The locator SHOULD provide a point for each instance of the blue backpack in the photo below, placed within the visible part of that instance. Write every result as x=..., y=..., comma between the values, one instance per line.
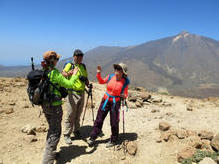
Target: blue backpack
x=72, y=64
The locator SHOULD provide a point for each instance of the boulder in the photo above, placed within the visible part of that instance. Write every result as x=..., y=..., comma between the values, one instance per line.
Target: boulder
x=206, y=145
x=215, y=142
x=203, y=134
x=138, y=104
x=145, y=96
x=132, y=105
x=191, y=133
x=207, y=160
x=181, y=133
x=194, y=141
x=185, y=153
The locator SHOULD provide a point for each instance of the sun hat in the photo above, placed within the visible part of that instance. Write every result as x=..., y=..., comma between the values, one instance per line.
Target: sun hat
x=122, y=66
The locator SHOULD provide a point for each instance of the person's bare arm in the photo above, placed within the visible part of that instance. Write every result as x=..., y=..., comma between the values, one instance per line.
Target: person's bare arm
x=65, y=74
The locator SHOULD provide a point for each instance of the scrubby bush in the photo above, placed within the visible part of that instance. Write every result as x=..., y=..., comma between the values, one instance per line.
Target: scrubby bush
x=200, y=155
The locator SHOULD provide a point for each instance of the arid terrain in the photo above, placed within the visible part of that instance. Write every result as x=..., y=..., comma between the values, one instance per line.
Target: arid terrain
x=157, y=128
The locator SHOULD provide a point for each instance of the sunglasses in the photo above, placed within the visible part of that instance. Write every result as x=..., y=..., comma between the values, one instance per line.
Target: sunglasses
x=79, y=55
x=118, y=68
x=55, y=58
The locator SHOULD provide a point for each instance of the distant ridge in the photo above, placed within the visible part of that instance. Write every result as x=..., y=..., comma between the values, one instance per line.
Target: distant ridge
x=184, y=64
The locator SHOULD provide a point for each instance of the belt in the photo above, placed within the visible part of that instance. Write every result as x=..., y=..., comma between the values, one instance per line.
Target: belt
x=105, y=102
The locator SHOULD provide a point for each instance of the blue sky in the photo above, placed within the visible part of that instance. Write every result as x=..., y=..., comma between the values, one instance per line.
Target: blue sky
x=29, y=28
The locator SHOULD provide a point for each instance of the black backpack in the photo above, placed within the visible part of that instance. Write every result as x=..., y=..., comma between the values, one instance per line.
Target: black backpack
x=38, y=89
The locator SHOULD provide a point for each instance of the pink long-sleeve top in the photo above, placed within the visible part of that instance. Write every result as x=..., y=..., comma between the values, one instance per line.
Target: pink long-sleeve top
x=114, y=87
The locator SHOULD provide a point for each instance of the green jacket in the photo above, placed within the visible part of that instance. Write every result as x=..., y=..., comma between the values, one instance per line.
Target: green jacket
x=78, y=85
x=60, y=81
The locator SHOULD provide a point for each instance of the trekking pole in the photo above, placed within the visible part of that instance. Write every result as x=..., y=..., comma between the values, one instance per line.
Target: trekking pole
x=123, y=117
x=89, y=92
x=85, y=109
x=91, y=96
x=123, y=121
x=32, y=64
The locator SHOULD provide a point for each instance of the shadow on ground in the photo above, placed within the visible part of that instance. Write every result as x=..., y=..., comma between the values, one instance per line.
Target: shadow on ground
x=85, y=132
x=67, y=153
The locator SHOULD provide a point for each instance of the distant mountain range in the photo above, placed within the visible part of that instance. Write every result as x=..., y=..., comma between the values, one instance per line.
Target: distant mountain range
x=185, y=64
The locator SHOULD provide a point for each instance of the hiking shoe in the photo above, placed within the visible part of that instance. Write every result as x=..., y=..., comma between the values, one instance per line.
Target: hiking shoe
x=77, y=134
x=110, y=144
x=57, y=155
x=91, y=142
x=101, y=134
x=67, y=140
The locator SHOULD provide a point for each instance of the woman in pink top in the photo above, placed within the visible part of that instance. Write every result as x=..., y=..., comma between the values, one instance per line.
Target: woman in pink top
x=117, y=89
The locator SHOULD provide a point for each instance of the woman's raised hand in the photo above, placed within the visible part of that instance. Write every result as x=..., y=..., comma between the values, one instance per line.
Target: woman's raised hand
x=99, y=68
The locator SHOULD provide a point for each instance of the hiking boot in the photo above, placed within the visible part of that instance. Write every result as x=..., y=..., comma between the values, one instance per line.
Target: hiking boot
x=77, y=134
x=67, y=140
x=101, y=134
x=91, y=142
x=57, y=155
x=110, y=144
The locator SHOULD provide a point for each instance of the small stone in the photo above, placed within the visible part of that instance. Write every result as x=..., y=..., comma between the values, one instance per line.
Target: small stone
x=2, y=111
x=189, y=108
x=155, y=110
x=123, y=157
x=30, y=138
x=26, y=106
x=132, y=147
x=157, y=101
x=29, y=130
x=164, y=126
x=138, y=104
x=215, y=142
x=9, y=111
x=181, y=134
x=41, y=129
x=12, y=103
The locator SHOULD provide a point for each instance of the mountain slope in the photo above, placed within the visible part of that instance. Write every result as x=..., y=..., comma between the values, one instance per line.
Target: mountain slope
x=185, y=64
x=184, y=61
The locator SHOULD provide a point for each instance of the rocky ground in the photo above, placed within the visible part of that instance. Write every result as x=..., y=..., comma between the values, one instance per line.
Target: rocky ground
x=159, y=129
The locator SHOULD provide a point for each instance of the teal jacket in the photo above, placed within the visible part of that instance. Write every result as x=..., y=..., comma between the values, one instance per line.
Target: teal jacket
x=60, y=81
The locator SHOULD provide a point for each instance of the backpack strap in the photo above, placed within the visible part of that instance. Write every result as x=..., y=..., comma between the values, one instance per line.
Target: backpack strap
x=110, y=77
x=84, y=66
x=127, y=81
x=72, y=64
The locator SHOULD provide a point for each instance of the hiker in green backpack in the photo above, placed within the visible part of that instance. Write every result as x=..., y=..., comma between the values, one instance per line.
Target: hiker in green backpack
x=75, y=97
x=53, y=109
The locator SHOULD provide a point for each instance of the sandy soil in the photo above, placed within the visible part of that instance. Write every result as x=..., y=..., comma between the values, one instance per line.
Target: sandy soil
x=141, y=126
